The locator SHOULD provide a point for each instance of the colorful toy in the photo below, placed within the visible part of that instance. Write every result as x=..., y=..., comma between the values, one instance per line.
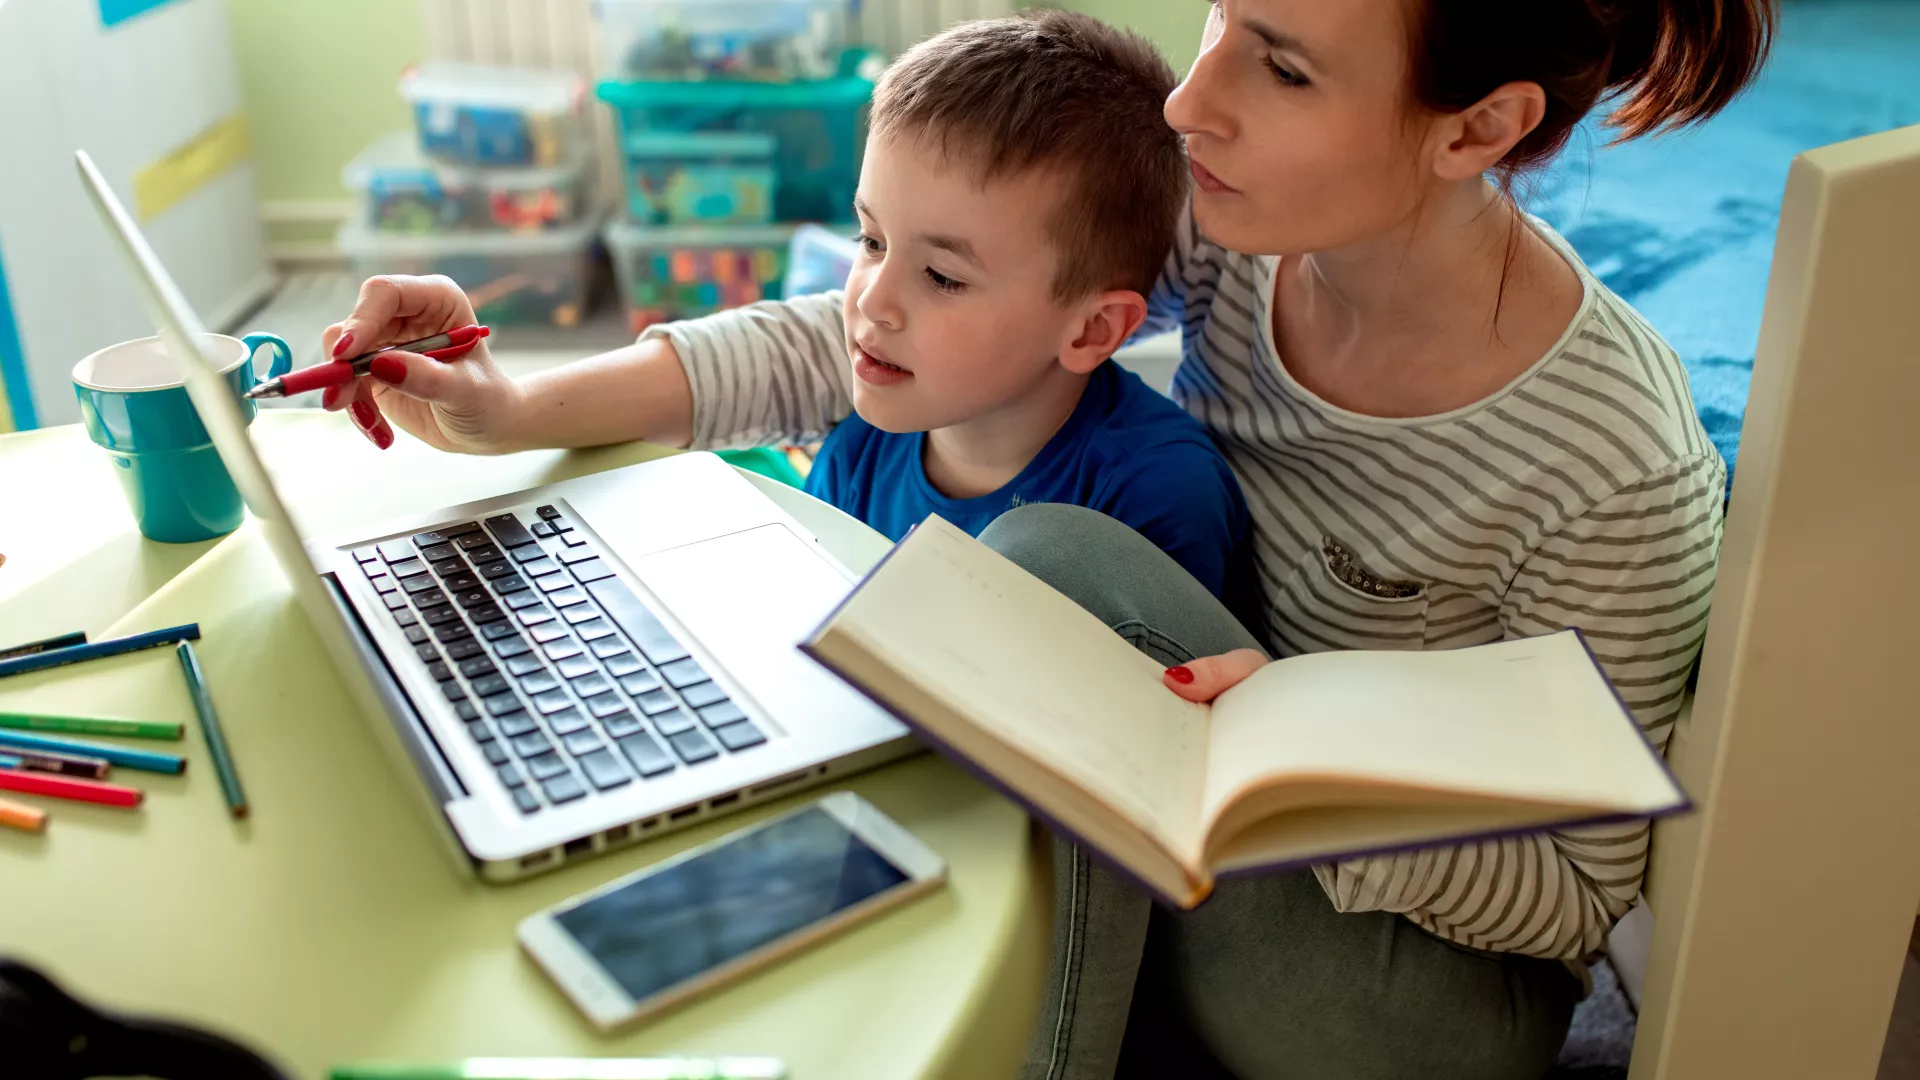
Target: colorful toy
x=683, y=273
x=405, y=193
x=697, y=40
x=495, y=117
x=721, y=177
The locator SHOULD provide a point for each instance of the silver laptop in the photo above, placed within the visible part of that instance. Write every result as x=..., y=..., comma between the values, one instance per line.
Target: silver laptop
x=569, y=668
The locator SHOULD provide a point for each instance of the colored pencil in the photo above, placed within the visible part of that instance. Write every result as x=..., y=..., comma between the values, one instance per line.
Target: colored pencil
x=143, y=760
x=98, y=650
x=87, y=768
x=743, y=1068
x=210, y=729
x=62, y=787
x=93, y=725
x=78, y=637
x=20, y=816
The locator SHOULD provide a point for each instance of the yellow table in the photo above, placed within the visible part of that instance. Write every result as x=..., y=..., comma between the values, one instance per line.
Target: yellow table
x=328, y=927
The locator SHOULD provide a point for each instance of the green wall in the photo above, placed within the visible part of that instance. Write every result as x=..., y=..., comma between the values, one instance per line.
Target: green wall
x=319, y=76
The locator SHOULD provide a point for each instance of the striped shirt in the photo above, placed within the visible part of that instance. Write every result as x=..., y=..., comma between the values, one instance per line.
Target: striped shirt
x=1584, y=494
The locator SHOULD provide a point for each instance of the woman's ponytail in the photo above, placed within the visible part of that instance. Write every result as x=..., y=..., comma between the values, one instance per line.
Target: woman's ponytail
x=1677, y=62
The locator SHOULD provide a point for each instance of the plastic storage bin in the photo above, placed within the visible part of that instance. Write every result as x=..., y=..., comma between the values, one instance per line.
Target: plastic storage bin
x=819, y=130
x=683, y=273
x=495, y=117
x=512, y=279
x=699, y=177
x=818, y=260
x=762, y=40
x=401, y=191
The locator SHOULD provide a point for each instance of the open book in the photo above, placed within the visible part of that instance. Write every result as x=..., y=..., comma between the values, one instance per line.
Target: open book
x=1312, y=759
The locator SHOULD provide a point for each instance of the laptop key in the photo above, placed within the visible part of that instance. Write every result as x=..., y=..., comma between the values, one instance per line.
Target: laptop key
x=693, y=746
x=419, y=584
x=549, y=631
x=395, y=550
x=439, y=616
x=453, y=691
x=567, y=721
x=427, y=653
x=512, y=583
x=532, y=744
x=515, y=724
x=565, y=788
x=486, y=613
x=579, y=613
x=496, y=631
x=683, y=673
x=656, y=701
x=440, y=671
x=451, y=631
x=673, y=723
x=561, y=649
x=561, y=525
x=445, y=533
x=644, y=752
x=534, y=615
x=403, y=617
x=464, y=581
x=700, y=695
x=394, y=600
x=575, y=541
x=473, y=540
x=480, y=731
x=511, y=648
x=520, y=600
x=526, y=800
x=584, y=741
x=523, y=664
x=542, y=529
x=567, y=597
x=740, y=736
x=415, y=633
x=576, y=554
x=642, y=627
x=491, y=683
x=591, y=570
x=621, y=724
x=473, y=598
x=547, y=765
x=552, y=701
x=507, y=529
x=464, y=650
x=431, y=598
x=501, y=704
x=575, y=666
x=590, y=684
x=547, y=512
x=385, y=584
x=594, y=629
x=510, y=776
x=476, y=667
x=495, y=753
x=610, y=648
x=640, y=682
x=446, y=568
x=367, y=554
x=539, y=682
x=407, y=568
x=498, y=568
x=721, y=715
x=553, y=583
x=465, y=710
x=485, y=553
x=540, y=567
x=434, y=553
x=604, y=770
x=527, y=552
x=605, y=704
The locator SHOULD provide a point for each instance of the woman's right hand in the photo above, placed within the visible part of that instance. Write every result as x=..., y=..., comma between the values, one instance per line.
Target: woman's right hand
x=464, y=404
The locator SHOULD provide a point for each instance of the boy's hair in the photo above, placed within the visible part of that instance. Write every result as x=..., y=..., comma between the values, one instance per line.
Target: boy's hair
x=1055, y=89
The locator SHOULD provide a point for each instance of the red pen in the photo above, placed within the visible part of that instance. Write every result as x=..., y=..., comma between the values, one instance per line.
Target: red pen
x=447, y=346
x=62, y=787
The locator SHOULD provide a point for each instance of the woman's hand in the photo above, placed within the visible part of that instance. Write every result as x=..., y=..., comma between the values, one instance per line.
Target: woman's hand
x=1207, y=678
x=463, y=404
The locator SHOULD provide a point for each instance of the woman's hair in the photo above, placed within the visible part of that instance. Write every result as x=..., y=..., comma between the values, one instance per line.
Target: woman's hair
x=1664, y=63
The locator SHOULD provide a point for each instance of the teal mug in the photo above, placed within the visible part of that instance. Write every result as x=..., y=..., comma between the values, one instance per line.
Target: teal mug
x=135, y=406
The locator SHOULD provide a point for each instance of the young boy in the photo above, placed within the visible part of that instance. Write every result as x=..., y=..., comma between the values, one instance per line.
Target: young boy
x=1016, y=203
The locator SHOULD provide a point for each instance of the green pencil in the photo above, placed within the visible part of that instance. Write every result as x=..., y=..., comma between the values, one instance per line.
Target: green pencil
x=92, y=725
x=210, y=729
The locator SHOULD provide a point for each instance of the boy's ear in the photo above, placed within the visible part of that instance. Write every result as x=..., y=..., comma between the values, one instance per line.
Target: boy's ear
x=1107, y=321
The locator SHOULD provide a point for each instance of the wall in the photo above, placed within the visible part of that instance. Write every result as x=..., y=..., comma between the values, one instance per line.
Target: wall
x=1174, y=25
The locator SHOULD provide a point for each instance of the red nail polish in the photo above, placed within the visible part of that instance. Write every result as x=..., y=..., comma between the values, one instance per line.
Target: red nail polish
x=383, y=436
x=340, y=347
x=365, y=415
x=1181, y=675
x=388, y=369
x=330, y=397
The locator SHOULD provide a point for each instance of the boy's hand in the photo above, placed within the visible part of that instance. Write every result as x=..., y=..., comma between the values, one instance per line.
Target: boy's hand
x=464, y=404
x=1207, y=678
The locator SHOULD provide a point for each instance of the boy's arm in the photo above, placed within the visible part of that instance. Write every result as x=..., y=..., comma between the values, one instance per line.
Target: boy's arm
x=768, y=373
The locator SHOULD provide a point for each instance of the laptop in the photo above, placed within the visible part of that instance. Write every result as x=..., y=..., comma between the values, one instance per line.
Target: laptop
x=571, y=668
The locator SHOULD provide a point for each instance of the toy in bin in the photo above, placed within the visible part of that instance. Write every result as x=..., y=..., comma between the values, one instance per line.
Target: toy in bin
x=402, y=191
x=684, y=273
x=700, y=177
x=495, y=117
x=755, y=40
x=512, y=279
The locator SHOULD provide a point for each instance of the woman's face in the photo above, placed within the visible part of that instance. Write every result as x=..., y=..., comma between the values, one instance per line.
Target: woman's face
x=1298, y=124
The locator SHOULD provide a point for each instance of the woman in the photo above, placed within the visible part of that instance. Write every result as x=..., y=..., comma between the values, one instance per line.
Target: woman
x=1449, y=433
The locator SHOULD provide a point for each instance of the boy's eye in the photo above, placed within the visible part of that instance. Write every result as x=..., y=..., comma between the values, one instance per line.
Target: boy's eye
x=943, y=282
x=1287, y=76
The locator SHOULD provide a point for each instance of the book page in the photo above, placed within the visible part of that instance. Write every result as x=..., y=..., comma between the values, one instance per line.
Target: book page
x=1035, y=670
x=1531, y=720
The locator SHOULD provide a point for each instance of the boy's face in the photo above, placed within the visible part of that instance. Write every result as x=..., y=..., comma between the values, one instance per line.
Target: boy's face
x=950, y=310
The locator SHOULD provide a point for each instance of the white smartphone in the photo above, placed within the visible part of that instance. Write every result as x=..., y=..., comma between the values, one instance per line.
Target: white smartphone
x=654, y=938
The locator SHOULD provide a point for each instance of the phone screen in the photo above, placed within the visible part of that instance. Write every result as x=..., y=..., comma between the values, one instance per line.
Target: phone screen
x=667, y=927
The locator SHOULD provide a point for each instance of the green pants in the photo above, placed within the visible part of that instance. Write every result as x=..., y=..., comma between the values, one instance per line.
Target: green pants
x=1265, y=981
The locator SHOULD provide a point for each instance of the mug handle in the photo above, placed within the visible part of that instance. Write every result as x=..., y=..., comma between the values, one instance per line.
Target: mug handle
x=282, y=355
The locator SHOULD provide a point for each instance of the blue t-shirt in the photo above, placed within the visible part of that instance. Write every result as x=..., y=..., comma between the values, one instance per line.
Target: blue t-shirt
x=1127, y=451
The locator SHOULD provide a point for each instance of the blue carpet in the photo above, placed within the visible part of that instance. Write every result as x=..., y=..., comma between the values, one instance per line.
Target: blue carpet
x=1682, y=226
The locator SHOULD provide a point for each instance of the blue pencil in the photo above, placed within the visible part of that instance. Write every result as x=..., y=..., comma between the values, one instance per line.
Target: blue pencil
x=73, y=654
x=143, y=760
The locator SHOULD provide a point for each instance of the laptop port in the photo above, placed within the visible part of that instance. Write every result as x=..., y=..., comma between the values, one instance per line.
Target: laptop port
x=724, y=800
x=683, y=812
x=779, y=782
x=579, y=847
x=648, y=824
x=538, y=858
x=618, y=833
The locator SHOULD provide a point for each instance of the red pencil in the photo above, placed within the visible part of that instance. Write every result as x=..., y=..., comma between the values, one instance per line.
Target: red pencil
x=65, y=787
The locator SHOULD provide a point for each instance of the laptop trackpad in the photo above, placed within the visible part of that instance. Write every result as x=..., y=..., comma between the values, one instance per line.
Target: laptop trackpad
x=749, y=598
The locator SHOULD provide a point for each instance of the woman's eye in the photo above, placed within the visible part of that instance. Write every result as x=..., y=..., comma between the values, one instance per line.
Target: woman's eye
x=943, y=282
x=1287, y=76
x=869, y=245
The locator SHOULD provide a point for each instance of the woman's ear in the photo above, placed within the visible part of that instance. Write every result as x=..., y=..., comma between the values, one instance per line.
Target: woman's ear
x=1479, y=136
x=1106, y=322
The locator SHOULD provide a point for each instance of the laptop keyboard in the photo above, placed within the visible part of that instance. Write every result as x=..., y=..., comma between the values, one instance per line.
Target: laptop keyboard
x=565, y=680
